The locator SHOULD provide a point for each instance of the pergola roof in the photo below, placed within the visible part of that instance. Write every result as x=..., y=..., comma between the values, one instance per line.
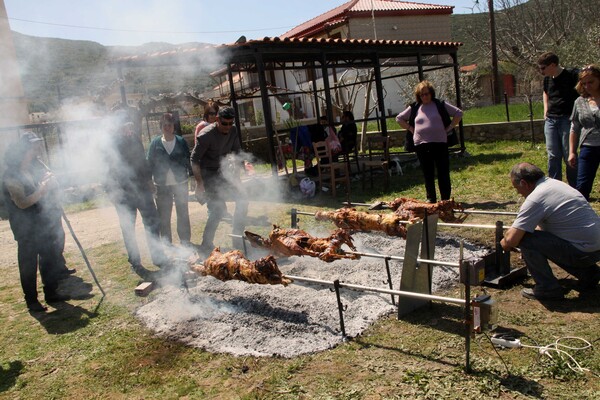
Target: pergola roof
x=292, y=50
x=309, y=53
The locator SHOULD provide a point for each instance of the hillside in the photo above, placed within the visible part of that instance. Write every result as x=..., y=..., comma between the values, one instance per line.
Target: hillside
x=53, y=69
x=463, y=26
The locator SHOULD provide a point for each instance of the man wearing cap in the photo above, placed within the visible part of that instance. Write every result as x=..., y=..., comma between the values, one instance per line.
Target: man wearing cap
x=27, y=189
x=214, y=182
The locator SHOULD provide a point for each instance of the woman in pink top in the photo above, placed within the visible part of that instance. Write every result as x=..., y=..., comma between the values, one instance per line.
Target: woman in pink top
x=210, y=117
x=428, y=119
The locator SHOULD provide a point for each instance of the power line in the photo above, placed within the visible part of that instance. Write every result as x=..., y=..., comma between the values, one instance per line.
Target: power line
x=142, y=31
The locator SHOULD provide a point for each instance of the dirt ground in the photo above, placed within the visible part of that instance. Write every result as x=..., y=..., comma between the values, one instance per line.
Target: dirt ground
x=93, y=228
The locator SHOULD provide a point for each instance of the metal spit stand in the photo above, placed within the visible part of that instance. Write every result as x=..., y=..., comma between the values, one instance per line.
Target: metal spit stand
x=498, y=271
x=416, y=279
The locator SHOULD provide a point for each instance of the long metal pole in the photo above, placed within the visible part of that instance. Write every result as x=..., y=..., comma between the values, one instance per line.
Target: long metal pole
x=439, y=223
x=379, y=290
x=64, y=217
x=87, y=262
x=456, y=211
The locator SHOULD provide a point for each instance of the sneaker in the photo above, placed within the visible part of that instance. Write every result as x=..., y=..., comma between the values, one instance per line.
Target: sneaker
x=533, y=294
x=36, y=306
x=56, y=298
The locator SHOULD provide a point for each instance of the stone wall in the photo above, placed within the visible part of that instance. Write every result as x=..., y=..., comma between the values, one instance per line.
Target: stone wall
x=481, y=133
x=478, y=133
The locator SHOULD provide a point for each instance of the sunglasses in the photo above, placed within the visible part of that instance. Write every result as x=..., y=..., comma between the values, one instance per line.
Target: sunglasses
x=212, y=113
x=542, y=67
x=226, y=123
x=591, y=68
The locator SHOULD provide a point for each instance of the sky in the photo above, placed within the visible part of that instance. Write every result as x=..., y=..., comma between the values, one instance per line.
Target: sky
x=134, y=22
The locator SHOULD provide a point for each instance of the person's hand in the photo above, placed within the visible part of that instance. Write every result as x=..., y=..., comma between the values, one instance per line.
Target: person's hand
x=200, y=193
x=49, y=182
x=572, y=161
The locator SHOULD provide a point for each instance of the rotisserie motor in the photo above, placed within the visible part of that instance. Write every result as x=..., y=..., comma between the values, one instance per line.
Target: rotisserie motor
x=233, y=265
x=349, y=218
x=410, y=209
x=296, y=242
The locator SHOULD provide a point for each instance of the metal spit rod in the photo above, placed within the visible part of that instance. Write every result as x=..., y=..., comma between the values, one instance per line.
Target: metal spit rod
x=456, y=211
x=399, y=258
x=439, y=223
x=384, y=256
x=378, y=290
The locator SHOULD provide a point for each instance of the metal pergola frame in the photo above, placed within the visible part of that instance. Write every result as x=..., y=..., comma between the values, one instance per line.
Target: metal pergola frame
x=272, y=54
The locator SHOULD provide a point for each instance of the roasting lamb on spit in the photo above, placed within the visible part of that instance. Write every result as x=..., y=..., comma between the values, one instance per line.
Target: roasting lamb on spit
x=232, y=265
x=411, y=209
x=296, y=242
x=349, y=218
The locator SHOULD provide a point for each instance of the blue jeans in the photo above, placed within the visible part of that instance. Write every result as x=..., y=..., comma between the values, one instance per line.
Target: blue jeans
x=165, y=196
x=587, y=165
x=218, y=190
x=127, y=208
x=556, y=131
x=539, y=247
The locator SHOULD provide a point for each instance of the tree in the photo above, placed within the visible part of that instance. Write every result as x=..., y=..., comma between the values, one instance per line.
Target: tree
x=525, y=29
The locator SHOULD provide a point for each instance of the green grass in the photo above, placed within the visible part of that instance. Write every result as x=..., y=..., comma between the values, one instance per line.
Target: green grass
x=96, y=349
x=497, y=113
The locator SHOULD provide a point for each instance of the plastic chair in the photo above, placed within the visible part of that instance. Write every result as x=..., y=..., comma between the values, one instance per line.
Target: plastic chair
x=330, y=172
x=378, y=157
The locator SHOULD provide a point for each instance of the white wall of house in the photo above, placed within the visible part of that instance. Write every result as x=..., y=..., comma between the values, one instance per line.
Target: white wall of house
x=417, y=27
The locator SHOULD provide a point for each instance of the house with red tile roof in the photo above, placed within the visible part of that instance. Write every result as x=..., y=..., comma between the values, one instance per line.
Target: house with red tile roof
x=379, y=19
x=353, y=20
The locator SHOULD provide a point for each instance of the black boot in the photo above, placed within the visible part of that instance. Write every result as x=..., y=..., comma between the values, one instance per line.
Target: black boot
x=52, y=296
x=36, y=306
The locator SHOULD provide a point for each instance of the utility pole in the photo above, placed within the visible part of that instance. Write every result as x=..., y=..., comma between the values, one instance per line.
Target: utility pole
x=496, y=84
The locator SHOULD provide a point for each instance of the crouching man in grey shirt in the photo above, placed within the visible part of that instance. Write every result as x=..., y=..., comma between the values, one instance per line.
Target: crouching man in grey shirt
x=556, y=223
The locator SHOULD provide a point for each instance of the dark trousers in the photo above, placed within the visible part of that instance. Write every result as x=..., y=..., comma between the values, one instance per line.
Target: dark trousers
x=165, y=196
x=55, y=227
x=30, y=250
x=127, y=211
x=218, y=190
x=434, y=156
x=538, y=247
x=587, y=166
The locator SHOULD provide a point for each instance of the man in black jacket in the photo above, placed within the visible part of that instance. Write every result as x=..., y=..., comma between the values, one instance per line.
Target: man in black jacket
x=130, y=188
